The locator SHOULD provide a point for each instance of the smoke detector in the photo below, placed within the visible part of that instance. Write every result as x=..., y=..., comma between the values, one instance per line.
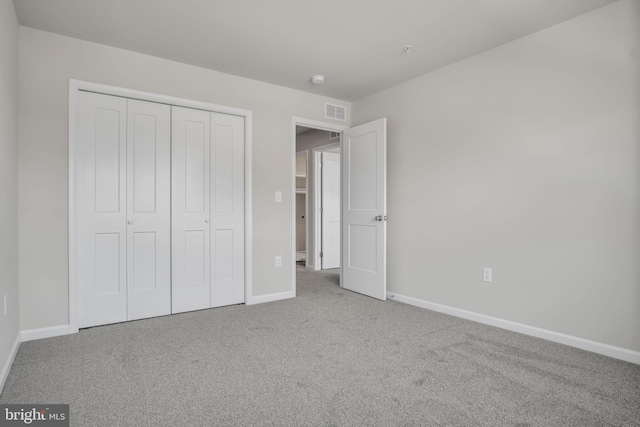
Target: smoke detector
x=317, y=79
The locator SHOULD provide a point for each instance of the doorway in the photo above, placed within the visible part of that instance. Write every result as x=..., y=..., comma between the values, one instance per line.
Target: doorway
x=363, y=212
x=317, y=195
x=311, y=140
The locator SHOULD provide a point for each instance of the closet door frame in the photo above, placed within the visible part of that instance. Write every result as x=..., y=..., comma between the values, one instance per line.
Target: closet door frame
x=77, y=86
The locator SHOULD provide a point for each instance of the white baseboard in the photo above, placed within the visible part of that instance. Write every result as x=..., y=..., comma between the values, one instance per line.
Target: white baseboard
x=9, y=362
x=53, y=331
x=270, y=298
x=581, y=343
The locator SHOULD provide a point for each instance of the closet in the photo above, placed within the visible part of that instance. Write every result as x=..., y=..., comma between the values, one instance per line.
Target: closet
x=159, y=210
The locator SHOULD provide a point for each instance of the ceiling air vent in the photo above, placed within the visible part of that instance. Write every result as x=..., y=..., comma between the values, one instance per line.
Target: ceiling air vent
x=335, y=112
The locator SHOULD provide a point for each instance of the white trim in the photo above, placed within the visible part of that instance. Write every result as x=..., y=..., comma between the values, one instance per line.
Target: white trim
x=75, y=86
x=313, y=124
x=154, y=97
x=4, y=374
x=317, y=199
x=316, y=124
x=40, y=333
x=260, y=299
x=248, y=206
x=581, y=343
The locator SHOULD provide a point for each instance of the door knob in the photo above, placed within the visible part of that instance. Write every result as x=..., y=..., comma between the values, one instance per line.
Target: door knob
x=378, y=218
x=130, y=222
x=207, y=220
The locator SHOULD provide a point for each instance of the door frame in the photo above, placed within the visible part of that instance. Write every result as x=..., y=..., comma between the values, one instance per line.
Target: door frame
x=75, y=87
x=313, y=124
x=317, y=199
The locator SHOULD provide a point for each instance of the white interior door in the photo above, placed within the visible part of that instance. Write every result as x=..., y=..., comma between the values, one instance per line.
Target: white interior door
x=148, y=209
x=364, y=209
x=101, y=209
x=330, y=210
x=227, y=209
x=190, y=204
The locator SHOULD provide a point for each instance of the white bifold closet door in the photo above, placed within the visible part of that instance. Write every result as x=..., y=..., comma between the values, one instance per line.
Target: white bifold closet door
x=207, y=209
x=123, y=209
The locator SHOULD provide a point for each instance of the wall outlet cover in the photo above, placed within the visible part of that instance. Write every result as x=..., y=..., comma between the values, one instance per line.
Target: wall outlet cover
x=487, y=274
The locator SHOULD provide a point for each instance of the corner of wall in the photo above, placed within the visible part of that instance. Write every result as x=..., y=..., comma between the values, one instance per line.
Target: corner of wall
x=9, y=281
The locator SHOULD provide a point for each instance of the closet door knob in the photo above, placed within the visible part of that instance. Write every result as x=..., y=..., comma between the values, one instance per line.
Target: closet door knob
x=207, y=220
x=130, y=222
x=378, y=218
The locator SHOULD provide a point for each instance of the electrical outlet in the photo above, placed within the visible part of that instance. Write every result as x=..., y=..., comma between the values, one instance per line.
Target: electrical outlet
x=486, y=274
x=278, y=261
x=5, y=304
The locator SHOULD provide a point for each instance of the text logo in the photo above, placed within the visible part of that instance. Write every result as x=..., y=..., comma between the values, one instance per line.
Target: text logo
x=34, y=415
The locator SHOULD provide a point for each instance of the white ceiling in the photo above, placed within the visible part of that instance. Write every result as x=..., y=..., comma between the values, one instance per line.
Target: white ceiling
x=356, y=44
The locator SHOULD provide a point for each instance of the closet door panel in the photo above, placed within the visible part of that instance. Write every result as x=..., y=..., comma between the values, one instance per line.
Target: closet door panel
x=101, y=213
x=195, y=255
x=144, y=265
x=227, y=209
x=148, y=209
x=190, y=195
x=196, y=146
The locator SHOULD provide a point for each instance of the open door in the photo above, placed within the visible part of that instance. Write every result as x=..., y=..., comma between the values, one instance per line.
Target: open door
x=364, y=207
x=330, y=255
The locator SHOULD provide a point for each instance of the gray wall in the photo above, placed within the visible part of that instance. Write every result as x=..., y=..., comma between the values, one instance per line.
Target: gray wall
x=525, y=159
x=47, y=62
x=9, y=324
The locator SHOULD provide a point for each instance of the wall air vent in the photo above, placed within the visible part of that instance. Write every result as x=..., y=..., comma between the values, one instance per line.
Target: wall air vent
x=335, y=112
x=334, y=135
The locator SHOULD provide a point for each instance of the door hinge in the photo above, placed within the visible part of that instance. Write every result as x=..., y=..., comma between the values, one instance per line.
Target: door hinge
x=321, y=254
